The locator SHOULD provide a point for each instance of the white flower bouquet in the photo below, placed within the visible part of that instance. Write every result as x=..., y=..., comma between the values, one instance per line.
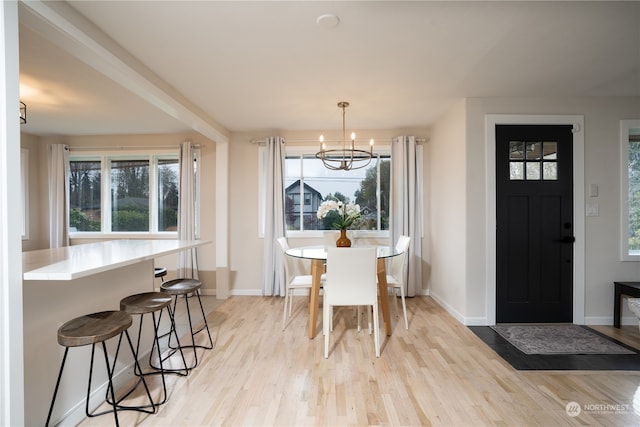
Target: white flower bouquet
x=341, y=216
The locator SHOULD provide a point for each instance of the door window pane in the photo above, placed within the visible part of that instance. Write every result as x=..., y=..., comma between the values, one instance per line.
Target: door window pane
x=550, y=171
x=533, y=171
x=516, y=150
x=540, y=160
x=533, y=150
x=516, y=170
x=550, y=150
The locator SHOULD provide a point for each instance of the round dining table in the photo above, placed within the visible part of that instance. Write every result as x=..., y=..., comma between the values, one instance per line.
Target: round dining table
x=318, y=257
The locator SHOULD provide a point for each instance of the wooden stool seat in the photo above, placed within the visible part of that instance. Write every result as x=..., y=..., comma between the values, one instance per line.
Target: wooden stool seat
x=93, y=328
x=181, y=286
x=159, y=272
x=146, y=302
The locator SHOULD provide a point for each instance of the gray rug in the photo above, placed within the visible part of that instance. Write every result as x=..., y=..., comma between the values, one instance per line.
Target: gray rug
x=558, y=339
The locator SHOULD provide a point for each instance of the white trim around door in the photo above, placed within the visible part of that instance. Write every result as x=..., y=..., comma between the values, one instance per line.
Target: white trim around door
x=491, y=120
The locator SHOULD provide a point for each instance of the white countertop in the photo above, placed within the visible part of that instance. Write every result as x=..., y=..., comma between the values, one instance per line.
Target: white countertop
x=72, y=262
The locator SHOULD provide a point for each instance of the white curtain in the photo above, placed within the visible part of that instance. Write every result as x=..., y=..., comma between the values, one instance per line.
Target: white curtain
x=58, y=156
x=187, y=265
x=406, y=205
x=273, y=267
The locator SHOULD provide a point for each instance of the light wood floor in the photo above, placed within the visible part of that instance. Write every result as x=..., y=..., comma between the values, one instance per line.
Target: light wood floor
x=437, y=373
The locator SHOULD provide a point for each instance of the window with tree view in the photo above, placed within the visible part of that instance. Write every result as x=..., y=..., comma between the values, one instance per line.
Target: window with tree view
x=308, y=183
x=124, y=194
x=630, y=137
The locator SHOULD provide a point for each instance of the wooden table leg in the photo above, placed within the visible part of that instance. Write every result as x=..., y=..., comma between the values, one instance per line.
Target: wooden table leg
x=317, y=268
x=384, y=295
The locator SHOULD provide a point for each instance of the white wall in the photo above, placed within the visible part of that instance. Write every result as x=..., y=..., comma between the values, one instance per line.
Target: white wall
x=37, y=238
x=603, y=265
x=246, y=247
x=448, y=207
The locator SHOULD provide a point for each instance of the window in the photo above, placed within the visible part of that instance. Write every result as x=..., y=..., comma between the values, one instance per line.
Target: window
x=533, y=161
x=307, y=179
x=630, y=189
x=136, y=193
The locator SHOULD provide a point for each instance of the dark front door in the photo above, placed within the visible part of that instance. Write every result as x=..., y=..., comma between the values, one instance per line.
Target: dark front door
x=534, y=219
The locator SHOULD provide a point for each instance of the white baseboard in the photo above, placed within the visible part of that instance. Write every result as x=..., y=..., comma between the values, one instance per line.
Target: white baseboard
x=449, y=309
x=247, y=292
x=608, y=320
x=258, y=292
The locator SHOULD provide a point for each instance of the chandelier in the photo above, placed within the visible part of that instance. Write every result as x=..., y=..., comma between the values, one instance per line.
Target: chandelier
x=347, y=157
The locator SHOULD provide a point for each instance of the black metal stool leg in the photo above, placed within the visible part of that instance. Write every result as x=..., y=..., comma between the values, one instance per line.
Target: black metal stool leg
x=109, y=387
x=55, y=391
x=206, y=324
x=137, y=369
x=186, y=287
x=146, y=387
x=110, y=373
x=172, y=329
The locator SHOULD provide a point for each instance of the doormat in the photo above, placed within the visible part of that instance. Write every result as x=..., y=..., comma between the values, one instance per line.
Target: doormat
x=630, y=361
x=558, y=339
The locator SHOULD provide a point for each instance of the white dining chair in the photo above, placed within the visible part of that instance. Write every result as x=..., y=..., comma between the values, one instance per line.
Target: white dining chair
x=329, y=238
x=350, y=281
x=396, y=275
x=292, y=281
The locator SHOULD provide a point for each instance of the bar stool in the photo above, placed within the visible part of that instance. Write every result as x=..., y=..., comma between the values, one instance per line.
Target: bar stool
x=92, y=329
x=184, y=287
x=150, y=303
x=159, y=273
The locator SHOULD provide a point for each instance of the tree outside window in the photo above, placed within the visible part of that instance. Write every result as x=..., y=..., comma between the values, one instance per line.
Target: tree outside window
x=307, y=179
x=85, y=183
x=142, y=193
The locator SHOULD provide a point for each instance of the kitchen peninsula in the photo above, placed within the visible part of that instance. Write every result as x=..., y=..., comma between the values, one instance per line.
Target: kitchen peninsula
x=62, y=283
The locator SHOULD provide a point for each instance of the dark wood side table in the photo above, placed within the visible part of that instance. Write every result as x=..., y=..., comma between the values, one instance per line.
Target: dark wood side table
x=631, y=289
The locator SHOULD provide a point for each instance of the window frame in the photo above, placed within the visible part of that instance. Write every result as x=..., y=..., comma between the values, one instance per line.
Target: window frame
x=305, y=150
x=24, y=164
x=625, y=128
x=106, y=157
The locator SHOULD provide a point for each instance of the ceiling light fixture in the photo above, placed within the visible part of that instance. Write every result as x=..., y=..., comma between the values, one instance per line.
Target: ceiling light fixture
x=328, y=21
x=23, y=113
x=344, y=158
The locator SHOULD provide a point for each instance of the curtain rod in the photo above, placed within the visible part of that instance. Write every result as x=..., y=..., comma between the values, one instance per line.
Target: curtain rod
x=263, y=141
x=129, y=147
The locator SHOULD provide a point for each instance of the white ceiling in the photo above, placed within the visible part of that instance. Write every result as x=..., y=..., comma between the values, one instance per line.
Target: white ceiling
x=243, y=66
